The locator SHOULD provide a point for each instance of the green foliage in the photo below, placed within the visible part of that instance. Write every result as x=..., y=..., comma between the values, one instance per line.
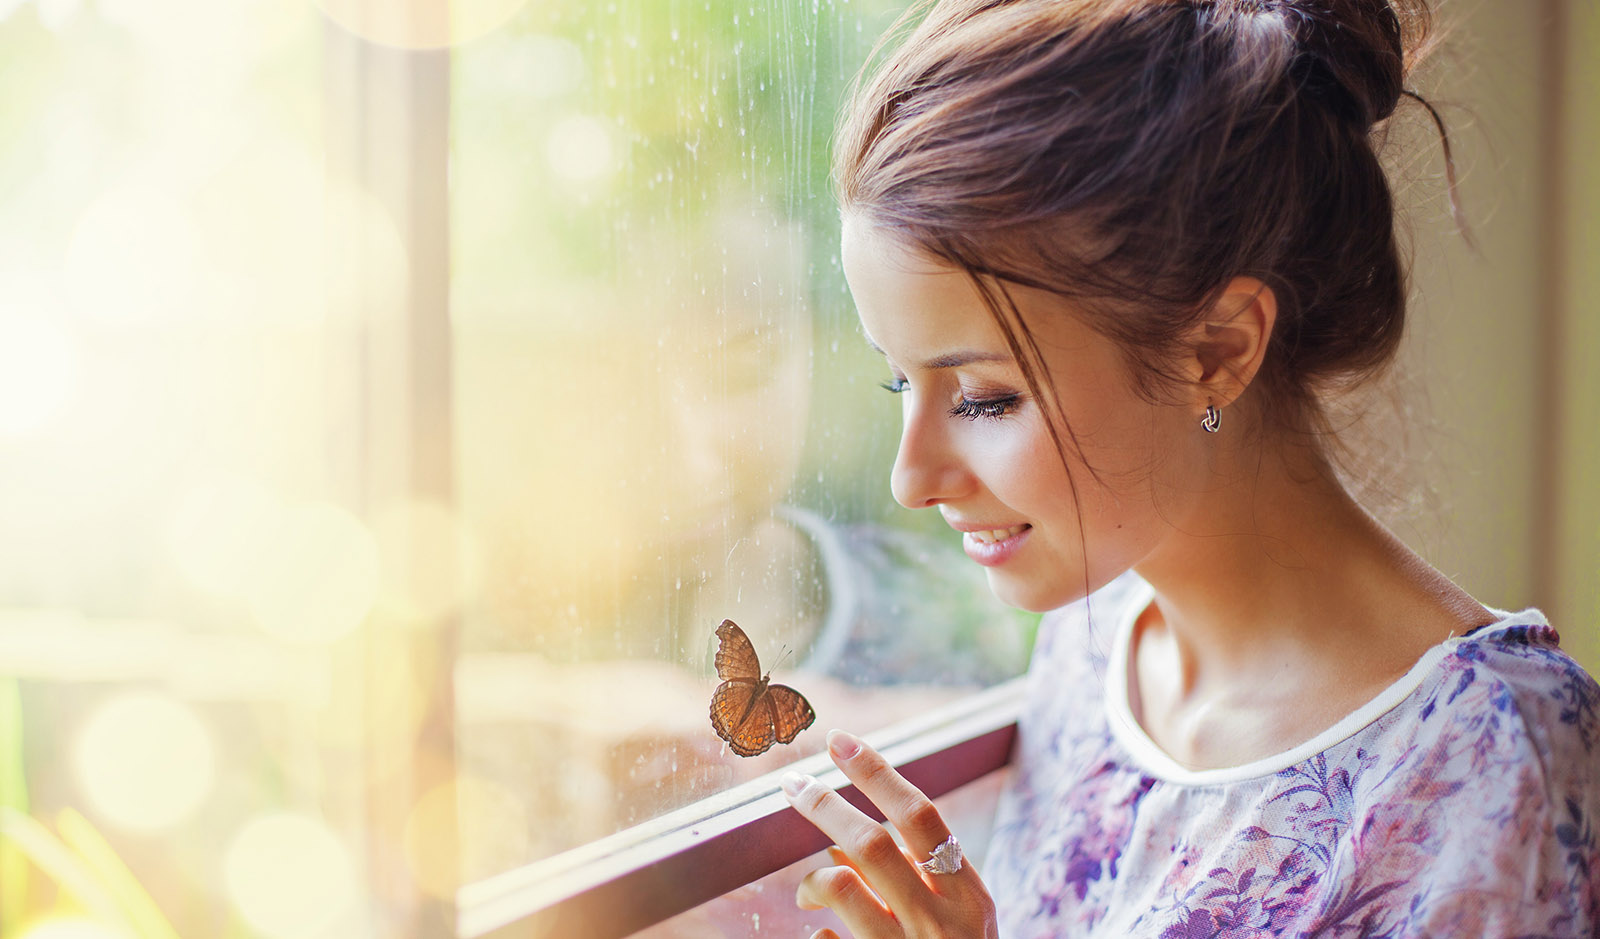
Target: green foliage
x=87, y=872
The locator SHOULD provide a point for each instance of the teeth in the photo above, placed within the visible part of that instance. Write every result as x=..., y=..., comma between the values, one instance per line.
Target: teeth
x=998, y=534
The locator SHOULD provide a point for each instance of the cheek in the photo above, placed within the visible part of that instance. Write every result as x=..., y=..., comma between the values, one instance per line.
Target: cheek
x=1111, y=489
x=1021, y=465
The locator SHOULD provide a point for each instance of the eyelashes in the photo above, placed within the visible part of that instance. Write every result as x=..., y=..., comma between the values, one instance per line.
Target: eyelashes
x=993, y=408
x=969, y=408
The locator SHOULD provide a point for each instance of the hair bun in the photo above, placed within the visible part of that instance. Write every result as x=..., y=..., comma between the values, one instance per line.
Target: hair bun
x=1353, y=53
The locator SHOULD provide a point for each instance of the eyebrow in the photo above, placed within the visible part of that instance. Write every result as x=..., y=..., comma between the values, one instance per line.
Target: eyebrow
x=954, y=359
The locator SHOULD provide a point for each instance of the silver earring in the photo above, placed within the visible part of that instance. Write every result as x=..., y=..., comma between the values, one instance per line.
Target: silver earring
x=1212, y=422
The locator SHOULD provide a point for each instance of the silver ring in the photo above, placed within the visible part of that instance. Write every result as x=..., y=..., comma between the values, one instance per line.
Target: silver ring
x=945, y=859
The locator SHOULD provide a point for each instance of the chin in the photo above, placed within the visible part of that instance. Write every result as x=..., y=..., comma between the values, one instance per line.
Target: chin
x=1031, y=594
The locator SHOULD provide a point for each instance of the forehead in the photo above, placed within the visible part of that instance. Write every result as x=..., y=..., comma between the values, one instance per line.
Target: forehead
x=908, y=301
x=871, y=252
x=919, y=310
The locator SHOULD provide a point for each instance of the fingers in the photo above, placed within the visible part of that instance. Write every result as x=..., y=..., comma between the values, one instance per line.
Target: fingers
x=879, y=888
x=913, y=814
x=810, y=897
x=874, y=856
x=843, y=890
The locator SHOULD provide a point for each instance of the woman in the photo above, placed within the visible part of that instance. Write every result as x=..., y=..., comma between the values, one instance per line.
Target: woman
x=1121, y=259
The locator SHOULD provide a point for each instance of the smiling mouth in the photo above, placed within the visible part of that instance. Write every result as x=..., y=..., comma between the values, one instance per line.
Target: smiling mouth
x=996, y=535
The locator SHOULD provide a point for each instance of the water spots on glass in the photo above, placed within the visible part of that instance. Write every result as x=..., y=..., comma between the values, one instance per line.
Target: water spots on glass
x=656, y=363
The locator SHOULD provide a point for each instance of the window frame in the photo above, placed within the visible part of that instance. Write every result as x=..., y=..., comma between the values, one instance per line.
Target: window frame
x=649, y=873
x=386, y=122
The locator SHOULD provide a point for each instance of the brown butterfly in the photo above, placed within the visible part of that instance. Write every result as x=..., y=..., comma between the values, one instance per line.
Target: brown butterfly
x=746, y=710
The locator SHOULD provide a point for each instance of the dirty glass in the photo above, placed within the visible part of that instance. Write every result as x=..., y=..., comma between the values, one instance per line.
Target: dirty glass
x=666, y=416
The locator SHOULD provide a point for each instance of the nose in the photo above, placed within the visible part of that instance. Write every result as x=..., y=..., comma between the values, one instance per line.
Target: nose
x=928, y=469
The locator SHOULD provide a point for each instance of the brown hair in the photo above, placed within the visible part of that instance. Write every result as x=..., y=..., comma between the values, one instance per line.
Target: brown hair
x=1136, y=155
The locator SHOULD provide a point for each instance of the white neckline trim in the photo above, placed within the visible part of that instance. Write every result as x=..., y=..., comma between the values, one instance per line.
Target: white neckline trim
x=1153, y=760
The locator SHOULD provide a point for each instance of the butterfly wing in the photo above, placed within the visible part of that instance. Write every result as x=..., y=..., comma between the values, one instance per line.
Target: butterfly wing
x=736, y=657
x=741, y=713
x=745, y=711
x=791, y=712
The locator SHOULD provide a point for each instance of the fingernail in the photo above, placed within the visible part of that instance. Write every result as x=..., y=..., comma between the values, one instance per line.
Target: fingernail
x=792, y=783
x=843, y=745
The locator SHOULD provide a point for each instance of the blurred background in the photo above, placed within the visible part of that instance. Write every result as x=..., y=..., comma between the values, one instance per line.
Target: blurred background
x=394, y=398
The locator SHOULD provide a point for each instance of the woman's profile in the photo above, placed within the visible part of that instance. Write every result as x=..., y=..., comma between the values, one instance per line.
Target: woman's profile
x=1122, y=257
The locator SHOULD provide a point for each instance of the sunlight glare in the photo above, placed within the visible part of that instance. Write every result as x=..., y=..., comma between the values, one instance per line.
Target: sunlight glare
x=73, y=928
x=56, y=15
x=420, y=24
x=135, y=259
x=38, y=368
x=221, y=41
x=145, y=761
x=221, y=531
x=430, y=561
x=548, y=66
x=391, y=703
x=363, y=255
x=318, y=578
x=484, y=812
x=288, y=875
x=580, y=149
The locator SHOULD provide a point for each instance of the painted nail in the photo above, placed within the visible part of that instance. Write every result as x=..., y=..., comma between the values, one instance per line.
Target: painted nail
x=792, y=783
x=843, y=745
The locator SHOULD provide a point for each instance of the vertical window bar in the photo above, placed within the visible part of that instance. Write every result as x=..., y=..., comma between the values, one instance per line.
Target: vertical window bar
x=387, y=114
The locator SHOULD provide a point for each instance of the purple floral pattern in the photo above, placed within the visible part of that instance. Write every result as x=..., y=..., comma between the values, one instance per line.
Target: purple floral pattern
x=1470, y=808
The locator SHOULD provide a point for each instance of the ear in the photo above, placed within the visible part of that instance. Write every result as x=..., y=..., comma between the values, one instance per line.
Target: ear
x=1229, y=345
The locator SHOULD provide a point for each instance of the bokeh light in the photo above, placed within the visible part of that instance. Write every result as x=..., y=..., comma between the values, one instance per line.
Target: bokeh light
x=134, y=259
x=430, y=561
x=420, y=24
x=288, y=875
x=145, y=762
x=71, y=927
x=202, y=32
x=220, y=532
x=580, y=149
x=318, y=576
x=483, y=812
x=545, y=66
x=363, y=260
x=38, y=366
x=271, y=223
x=391, y=702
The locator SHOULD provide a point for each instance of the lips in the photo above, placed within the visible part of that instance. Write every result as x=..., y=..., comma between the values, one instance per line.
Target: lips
x=994, y=535
x=993, y=546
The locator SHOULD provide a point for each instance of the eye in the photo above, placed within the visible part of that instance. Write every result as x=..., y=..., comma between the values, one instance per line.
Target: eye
x=992, y=408
x=894, y=385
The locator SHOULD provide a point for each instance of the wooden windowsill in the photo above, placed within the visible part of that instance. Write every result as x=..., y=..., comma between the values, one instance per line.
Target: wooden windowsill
x=648, y=873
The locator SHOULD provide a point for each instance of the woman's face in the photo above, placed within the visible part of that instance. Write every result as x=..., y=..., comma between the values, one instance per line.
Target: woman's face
x=977, y=446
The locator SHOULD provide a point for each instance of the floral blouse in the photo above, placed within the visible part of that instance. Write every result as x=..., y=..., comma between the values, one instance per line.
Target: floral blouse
x=1463, y=801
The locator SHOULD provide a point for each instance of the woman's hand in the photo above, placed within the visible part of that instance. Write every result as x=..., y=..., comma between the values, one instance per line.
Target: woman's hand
x=878, y=889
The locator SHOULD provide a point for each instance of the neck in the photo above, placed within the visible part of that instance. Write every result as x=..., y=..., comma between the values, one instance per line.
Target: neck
x=1279, y=575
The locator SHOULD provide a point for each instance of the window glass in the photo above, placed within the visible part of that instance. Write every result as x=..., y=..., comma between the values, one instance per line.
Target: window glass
x=666, y=416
